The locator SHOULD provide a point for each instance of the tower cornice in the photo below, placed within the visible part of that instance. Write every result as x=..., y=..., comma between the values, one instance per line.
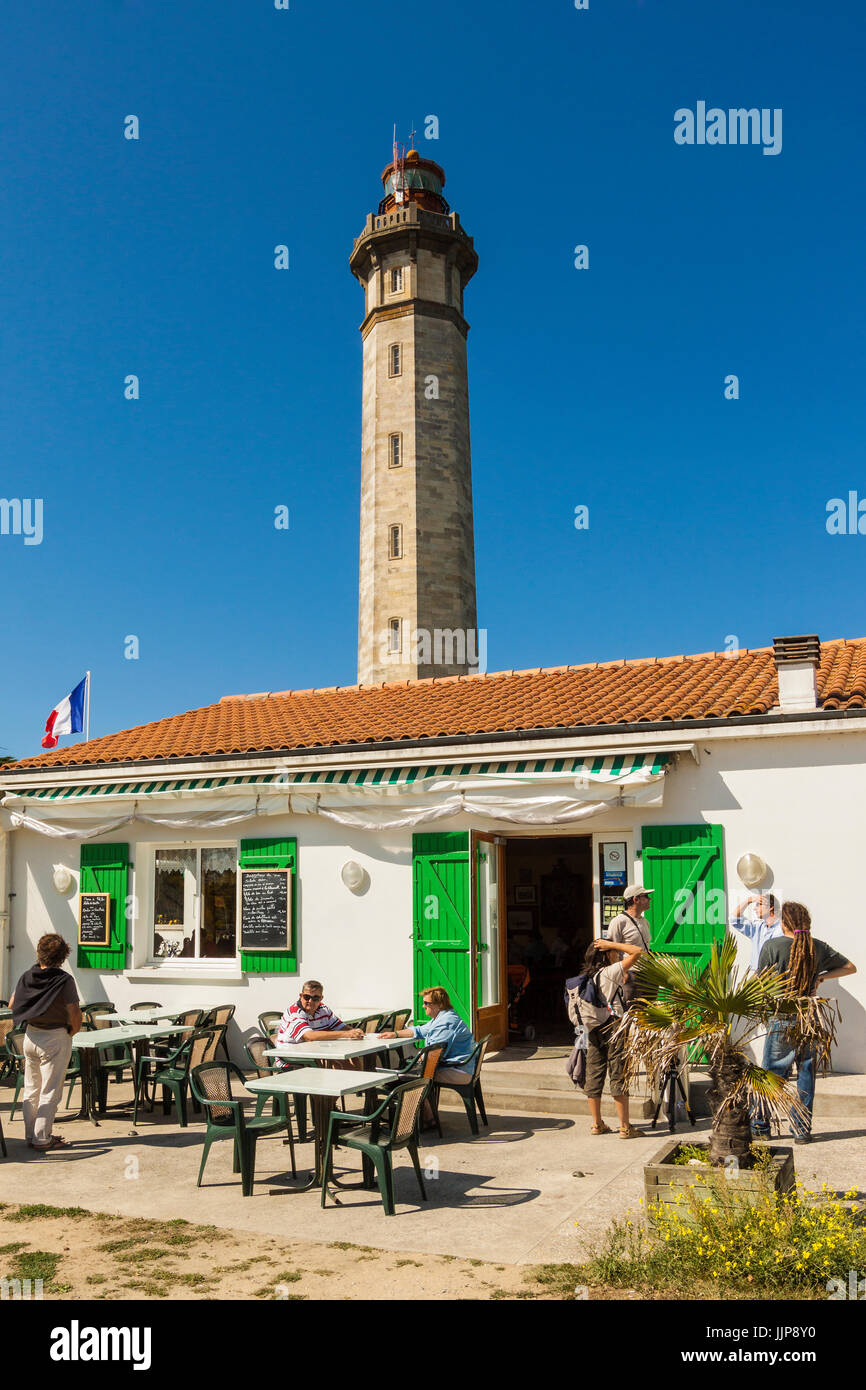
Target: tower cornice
x=407, y=307
x=416, y=229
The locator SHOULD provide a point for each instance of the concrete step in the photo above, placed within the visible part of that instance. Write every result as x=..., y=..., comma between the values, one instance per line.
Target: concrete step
x=533, y=1100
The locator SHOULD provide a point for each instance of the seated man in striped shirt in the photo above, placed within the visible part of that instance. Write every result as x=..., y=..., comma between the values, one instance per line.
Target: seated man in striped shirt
x=310, y=1020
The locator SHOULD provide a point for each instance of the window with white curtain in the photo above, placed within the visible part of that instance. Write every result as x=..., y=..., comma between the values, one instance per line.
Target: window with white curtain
x=195, y=903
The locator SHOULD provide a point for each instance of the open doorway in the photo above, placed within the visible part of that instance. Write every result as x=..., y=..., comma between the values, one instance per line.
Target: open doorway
x=549, y=924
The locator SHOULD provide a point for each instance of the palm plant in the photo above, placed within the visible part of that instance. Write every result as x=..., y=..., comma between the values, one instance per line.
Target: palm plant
x=724, y=1012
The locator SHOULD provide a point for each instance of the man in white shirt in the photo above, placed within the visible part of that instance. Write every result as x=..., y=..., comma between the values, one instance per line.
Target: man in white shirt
x=762, y=924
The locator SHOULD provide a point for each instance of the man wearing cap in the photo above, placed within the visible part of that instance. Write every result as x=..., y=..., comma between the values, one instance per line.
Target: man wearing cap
x=631, y=926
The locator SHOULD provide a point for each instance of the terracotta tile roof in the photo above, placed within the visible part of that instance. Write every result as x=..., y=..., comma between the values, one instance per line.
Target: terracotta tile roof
x=709, y=686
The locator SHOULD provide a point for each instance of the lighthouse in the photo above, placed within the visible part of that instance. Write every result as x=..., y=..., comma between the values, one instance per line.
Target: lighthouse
x=416, y=611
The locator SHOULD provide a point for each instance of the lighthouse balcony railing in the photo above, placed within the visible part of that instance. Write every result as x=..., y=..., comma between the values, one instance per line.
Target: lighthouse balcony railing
x=411, y=216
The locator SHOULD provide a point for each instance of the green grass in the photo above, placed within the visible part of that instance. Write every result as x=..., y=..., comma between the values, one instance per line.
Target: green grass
x=144, y=1253
x=149, y=1287
x=14, y=1247
x=38, y=1264
x=38, y=1211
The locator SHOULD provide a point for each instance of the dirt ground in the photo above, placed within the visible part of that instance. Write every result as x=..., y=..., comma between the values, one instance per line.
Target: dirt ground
x=81, y=1254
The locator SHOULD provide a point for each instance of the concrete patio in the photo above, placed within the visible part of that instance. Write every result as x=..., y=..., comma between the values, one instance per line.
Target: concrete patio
x=531, y=1189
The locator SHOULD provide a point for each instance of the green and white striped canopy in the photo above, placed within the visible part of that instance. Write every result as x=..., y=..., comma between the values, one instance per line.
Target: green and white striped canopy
x=621, y=769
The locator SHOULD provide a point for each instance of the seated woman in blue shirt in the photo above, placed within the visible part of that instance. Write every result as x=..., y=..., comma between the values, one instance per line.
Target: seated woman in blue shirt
x=443, y=1026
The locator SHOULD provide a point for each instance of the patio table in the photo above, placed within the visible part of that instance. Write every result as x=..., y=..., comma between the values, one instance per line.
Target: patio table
x=323, y=1088
x=340, y=1050
x=154, y=1015
x=93, y=1041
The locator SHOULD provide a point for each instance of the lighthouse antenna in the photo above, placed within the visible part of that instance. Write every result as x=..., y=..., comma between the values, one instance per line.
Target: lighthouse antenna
x=399, y=175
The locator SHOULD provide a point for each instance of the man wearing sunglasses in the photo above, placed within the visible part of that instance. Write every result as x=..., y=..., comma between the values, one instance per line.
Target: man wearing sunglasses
x=310, y=1019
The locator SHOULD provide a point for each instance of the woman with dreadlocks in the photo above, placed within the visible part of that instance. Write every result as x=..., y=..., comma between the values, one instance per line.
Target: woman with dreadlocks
x=805, y=961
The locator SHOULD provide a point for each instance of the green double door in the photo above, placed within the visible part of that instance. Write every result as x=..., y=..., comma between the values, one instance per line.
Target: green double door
x=459, y=939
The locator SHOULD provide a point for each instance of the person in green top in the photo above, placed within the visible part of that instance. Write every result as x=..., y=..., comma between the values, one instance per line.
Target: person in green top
x=806, y=961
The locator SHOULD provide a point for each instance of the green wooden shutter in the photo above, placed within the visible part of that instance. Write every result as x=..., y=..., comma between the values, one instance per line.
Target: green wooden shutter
x=105, y=869
x=441, y=918
x=685, y=866
x=272, y=854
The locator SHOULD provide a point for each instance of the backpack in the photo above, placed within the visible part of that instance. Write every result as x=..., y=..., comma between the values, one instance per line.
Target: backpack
x=585, y=988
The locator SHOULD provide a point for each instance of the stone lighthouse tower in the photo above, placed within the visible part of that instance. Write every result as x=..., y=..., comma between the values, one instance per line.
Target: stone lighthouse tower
x=417, y=574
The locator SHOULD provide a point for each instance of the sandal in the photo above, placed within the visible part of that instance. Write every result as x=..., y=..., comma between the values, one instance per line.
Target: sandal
x=55, y=1142
x=601, y=1129
x=629, y=1132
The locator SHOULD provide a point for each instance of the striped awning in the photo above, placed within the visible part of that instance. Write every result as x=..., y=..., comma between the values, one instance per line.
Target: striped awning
x=591, y=770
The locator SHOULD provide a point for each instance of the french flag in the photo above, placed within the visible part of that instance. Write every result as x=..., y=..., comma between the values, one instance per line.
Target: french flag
x=67, y=717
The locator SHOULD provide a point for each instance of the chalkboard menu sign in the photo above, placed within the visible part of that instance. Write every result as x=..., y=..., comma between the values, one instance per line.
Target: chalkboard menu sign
x=94, y=919
x=266, y=910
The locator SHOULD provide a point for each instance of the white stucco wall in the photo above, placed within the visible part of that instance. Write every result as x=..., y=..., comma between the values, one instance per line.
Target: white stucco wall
x=358, y=944
x=798, y=801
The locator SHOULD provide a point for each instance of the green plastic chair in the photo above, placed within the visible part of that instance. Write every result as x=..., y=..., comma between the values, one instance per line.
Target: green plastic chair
x=2, y=1141
x=212, y=1086
x=145, y=1004
x=392, y=1023
x=172, y=1073
x=263, y=1066
x=372, y=1023
x=269, y=1023
x=73, y=1074
x=114, y=1061
x=220, y=1018
x=15, y=1053
x=7, y=1066
x=400, y=1111
x=470, y=1093
x=423, y=1065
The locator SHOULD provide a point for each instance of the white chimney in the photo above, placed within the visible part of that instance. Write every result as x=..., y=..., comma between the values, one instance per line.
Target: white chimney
x=797, y=661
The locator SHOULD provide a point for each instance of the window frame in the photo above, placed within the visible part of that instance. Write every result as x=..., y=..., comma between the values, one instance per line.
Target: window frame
x=194, y=901
x=395, y=531
x=395, y=631
x=397, y=273
x=398, y=437
x=392, y=348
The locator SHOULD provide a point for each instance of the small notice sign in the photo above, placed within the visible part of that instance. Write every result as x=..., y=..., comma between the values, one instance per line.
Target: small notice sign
x=614, y=864
x=94, y=919
x=266, y=909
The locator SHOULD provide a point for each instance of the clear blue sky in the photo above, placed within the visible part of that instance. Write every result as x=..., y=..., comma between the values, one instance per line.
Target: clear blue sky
x=602, y=387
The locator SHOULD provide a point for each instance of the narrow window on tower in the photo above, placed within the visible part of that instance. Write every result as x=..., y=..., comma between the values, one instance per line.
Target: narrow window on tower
x=395, y=450
x=394, y=637
x=397, y=280
x=395, y=542
x=395, y=360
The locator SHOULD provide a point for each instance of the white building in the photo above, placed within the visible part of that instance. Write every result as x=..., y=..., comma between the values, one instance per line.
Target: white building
x=483, y=814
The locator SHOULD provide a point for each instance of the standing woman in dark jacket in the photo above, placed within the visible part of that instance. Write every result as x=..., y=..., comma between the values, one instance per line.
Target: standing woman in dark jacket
x=46, y=999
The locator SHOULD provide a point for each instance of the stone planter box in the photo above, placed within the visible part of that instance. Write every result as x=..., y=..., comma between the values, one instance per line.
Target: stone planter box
x=666, y=1181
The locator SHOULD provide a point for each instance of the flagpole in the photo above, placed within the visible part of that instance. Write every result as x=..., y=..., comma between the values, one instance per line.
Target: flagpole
x=87, y=711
